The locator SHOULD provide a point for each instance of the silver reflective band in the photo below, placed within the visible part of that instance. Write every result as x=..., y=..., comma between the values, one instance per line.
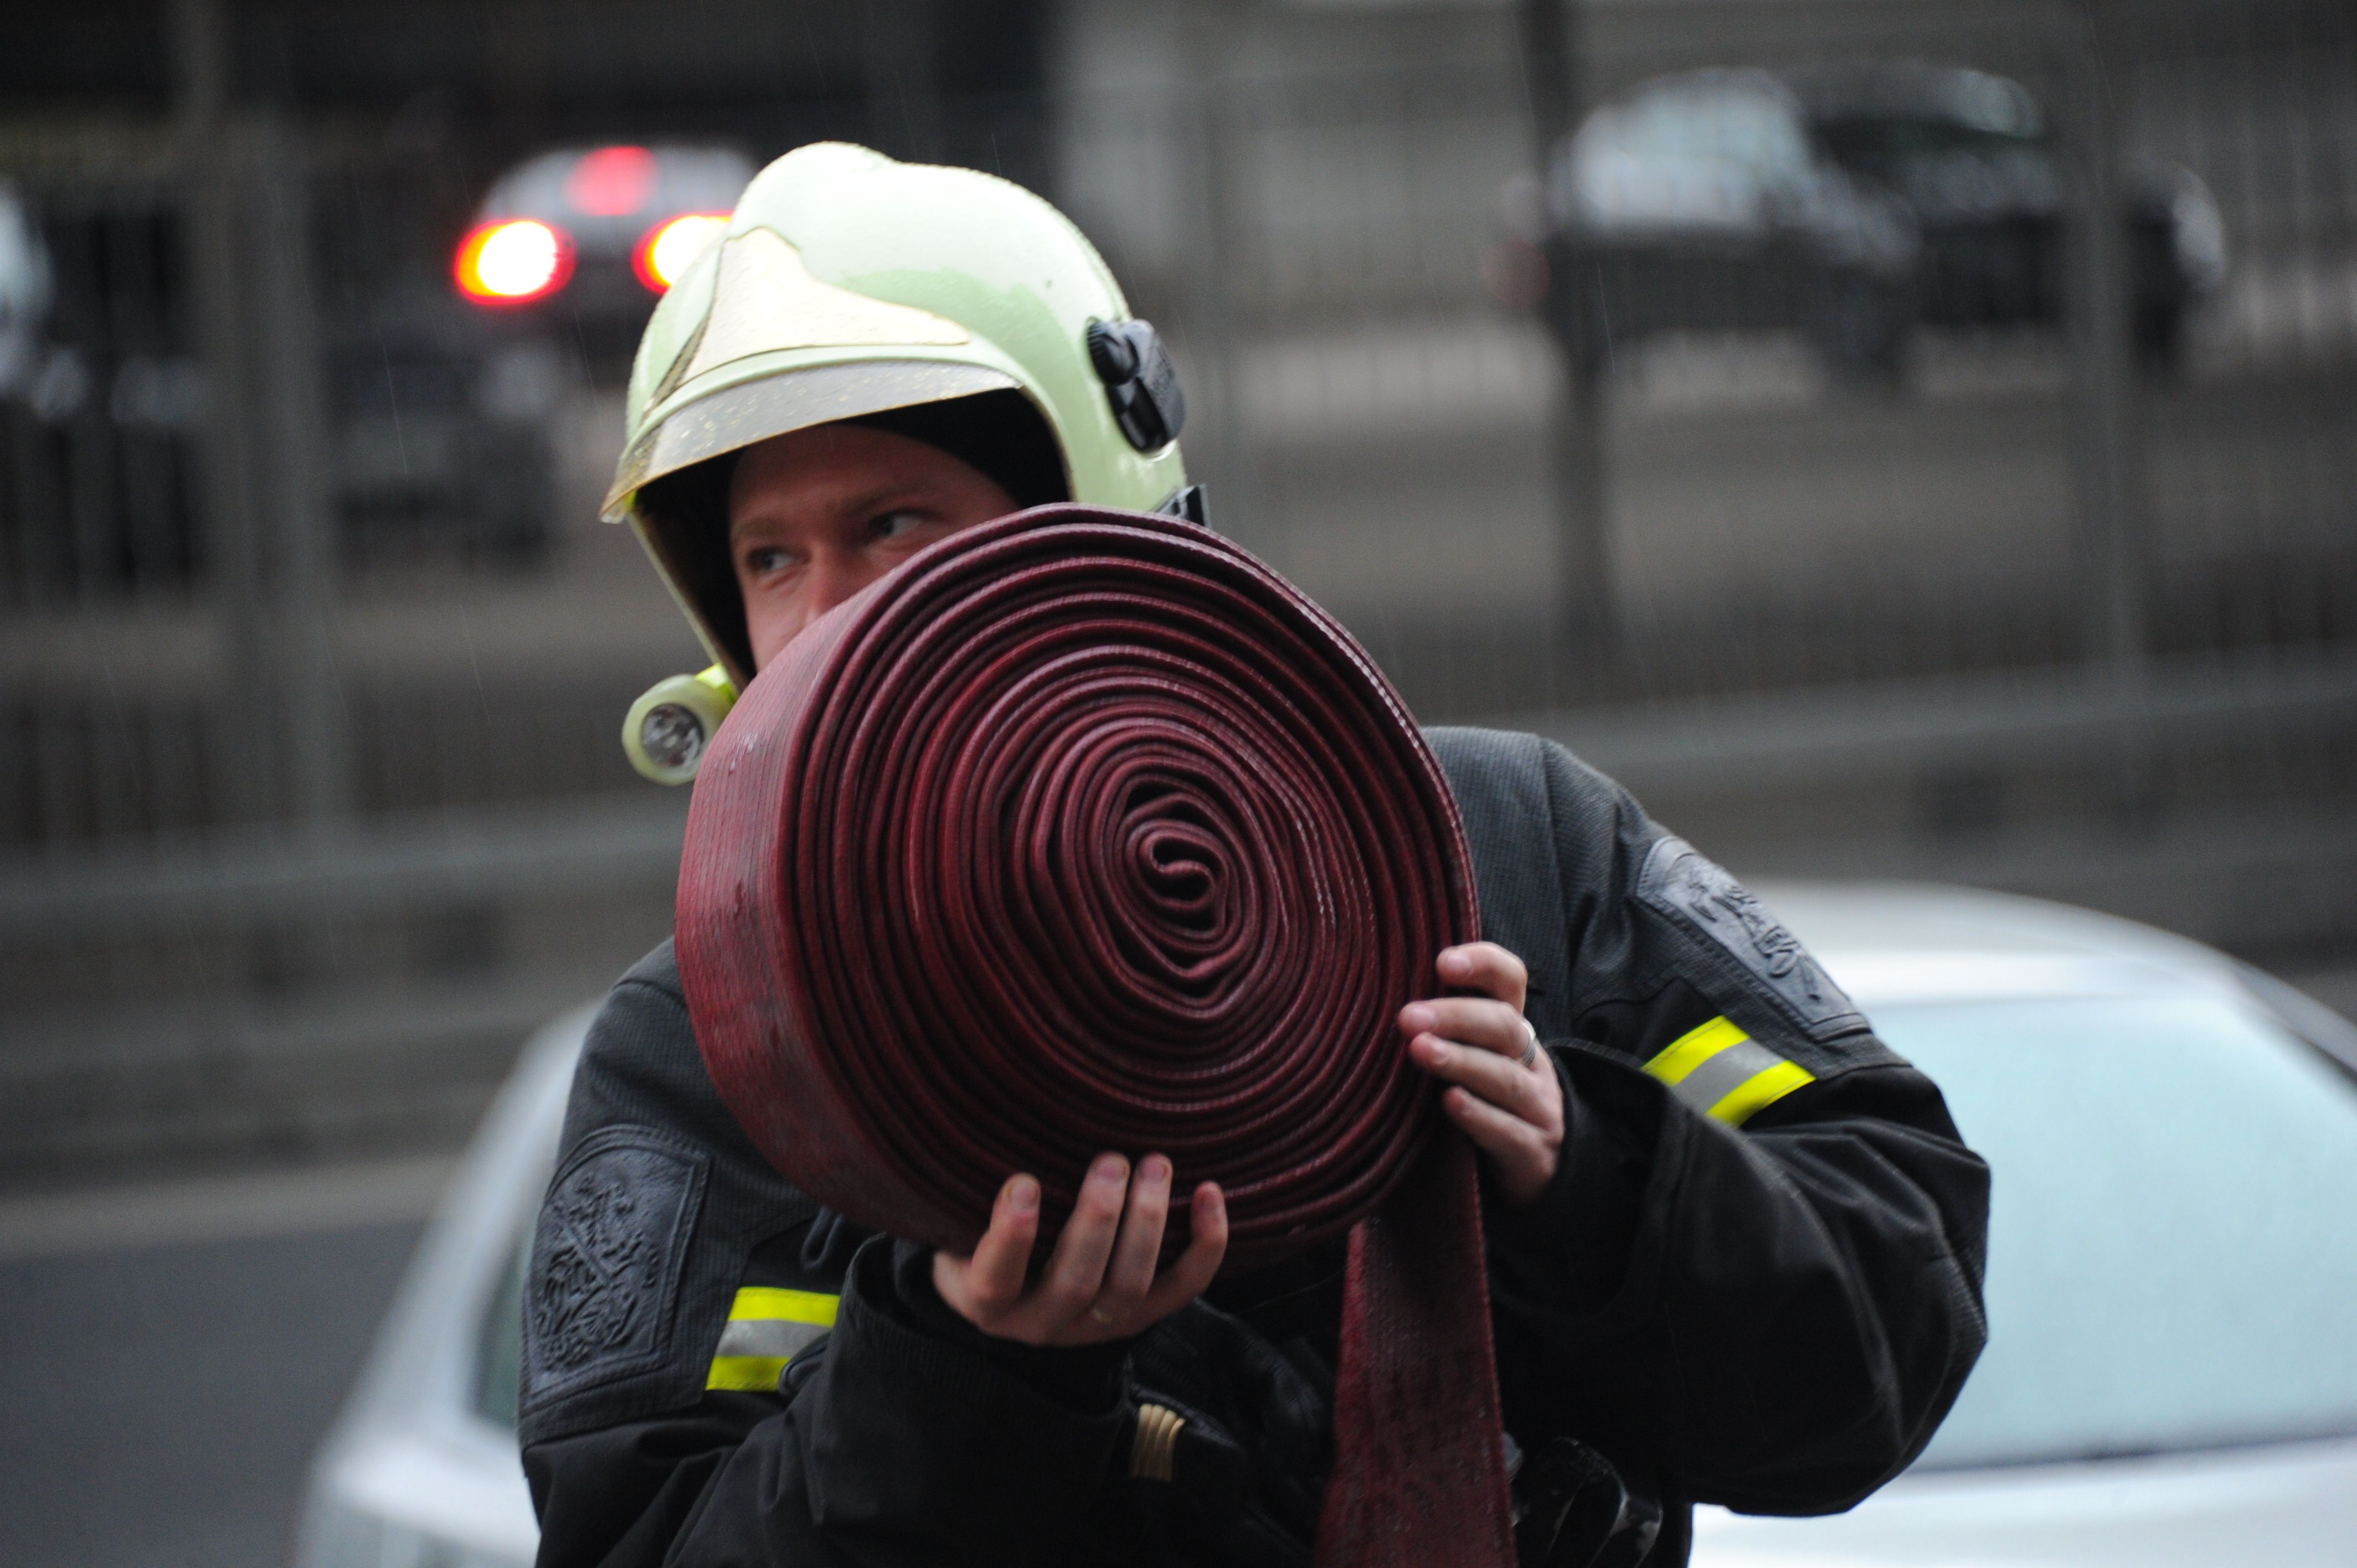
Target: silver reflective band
x=672, y=735
x=768, y=1336
x=767, y=1329
x=1718, y=1072
x=1725, y=1073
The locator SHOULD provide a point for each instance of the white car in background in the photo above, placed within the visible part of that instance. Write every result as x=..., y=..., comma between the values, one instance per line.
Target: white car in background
x=2171, y=1375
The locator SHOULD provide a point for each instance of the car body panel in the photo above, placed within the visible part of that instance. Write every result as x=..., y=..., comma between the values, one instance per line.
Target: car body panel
x=2281, y=1504
x=411, y=1457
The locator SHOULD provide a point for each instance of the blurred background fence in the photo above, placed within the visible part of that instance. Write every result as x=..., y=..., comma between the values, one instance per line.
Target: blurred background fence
x=1922, y=444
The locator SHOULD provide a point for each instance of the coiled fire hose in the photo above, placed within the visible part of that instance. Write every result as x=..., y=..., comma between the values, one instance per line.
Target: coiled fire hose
x=1084, y=831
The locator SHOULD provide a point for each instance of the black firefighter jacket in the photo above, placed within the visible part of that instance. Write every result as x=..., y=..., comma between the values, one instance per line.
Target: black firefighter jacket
x=1756, y=1280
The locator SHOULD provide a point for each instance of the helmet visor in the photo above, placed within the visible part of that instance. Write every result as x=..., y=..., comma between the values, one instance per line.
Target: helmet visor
x=736, y=417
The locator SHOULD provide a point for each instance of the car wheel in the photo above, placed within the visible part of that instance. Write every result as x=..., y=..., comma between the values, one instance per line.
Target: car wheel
x=1859, y=329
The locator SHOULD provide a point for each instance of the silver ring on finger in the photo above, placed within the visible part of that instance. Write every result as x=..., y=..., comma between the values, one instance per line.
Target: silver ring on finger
x=1529, y=1057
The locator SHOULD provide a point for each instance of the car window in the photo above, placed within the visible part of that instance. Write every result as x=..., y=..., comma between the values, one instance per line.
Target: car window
x=1754, y=130
x=1897, y=149
x=2173, y=1250
x=499, y=1360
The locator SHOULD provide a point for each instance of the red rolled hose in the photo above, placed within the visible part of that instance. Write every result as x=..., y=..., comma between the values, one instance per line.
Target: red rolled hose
x=1082, y=830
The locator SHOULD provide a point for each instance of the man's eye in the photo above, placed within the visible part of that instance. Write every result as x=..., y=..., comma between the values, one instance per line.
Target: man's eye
x=895, y=524
x=762, y=560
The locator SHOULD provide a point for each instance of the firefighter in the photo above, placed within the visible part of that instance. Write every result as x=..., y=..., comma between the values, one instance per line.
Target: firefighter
x=1735, y=1242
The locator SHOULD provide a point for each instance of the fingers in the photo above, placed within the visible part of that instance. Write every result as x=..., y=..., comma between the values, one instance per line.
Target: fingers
x=994, y=1277
x=1130, y=1275
x=1504, y=1096
x=1521, y=1153
x=1488, y=968
x=1192, y=1271
x=986, y=1287
x=1471, y=1021
x=1530, y=1092
x=1076, y=1269
x=1101, y=1281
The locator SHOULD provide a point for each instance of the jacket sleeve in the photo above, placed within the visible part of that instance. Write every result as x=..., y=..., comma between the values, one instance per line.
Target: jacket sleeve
x=1756, y=1278
x=905, y=1436
x=903, y=1440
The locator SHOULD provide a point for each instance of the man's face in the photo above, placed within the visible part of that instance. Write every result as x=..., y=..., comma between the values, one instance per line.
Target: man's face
x=817, y=515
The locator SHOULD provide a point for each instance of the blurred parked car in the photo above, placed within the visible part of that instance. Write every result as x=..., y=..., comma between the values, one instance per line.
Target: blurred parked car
x=1848, y=203
x=602, y=231
x=444, y=398
x=1971, y=156
x=435, y=419
x=2171, y=1377
x=1699, y=203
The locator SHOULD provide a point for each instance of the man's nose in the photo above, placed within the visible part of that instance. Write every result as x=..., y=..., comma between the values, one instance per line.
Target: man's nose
x=835, y=576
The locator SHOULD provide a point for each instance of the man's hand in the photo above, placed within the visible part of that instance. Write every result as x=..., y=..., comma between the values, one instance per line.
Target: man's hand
x=1101, y=1283
x=1505, y=1094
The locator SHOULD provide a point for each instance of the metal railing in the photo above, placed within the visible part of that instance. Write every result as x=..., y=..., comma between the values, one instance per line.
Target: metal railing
x=308, y=649
x=1324, y=247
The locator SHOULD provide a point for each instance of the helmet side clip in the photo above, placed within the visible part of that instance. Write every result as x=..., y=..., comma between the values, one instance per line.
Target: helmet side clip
x=1140, y=381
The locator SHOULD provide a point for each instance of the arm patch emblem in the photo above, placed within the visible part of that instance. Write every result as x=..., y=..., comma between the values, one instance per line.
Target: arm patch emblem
x=607, y=1260
x=1698, y=894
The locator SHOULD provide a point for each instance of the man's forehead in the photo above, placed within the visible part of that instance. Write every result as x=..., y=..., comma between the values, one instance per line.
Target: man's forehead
x=815, y=500
x=822, y=445
x=833, y=468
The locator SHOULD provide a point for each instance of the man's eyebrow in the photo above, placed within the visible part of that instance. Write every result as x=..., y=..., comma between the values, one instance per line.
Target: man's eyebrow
x=863, y=501
x=901, y=489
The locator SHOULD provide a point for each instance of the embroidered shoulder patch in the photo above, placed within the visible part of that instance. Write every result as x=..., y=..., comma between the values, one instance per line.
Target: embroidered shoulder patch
x=607, y=1259
x=1697, y=893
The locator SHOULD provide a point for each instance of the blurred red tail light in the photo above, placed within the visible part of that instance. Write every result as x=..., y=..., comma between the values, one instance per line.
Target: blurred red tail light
x=513, y=261
x=668, y=248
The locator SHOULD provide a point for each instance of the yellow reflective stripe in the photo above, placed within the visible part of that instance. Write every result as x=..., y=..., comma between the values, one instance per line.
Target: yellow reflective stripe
x=1721, y=1072
x=812, y=1311
x=791, y=1305
x=1693, y=1048
x=1761, y=1088
x=756, y=1374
